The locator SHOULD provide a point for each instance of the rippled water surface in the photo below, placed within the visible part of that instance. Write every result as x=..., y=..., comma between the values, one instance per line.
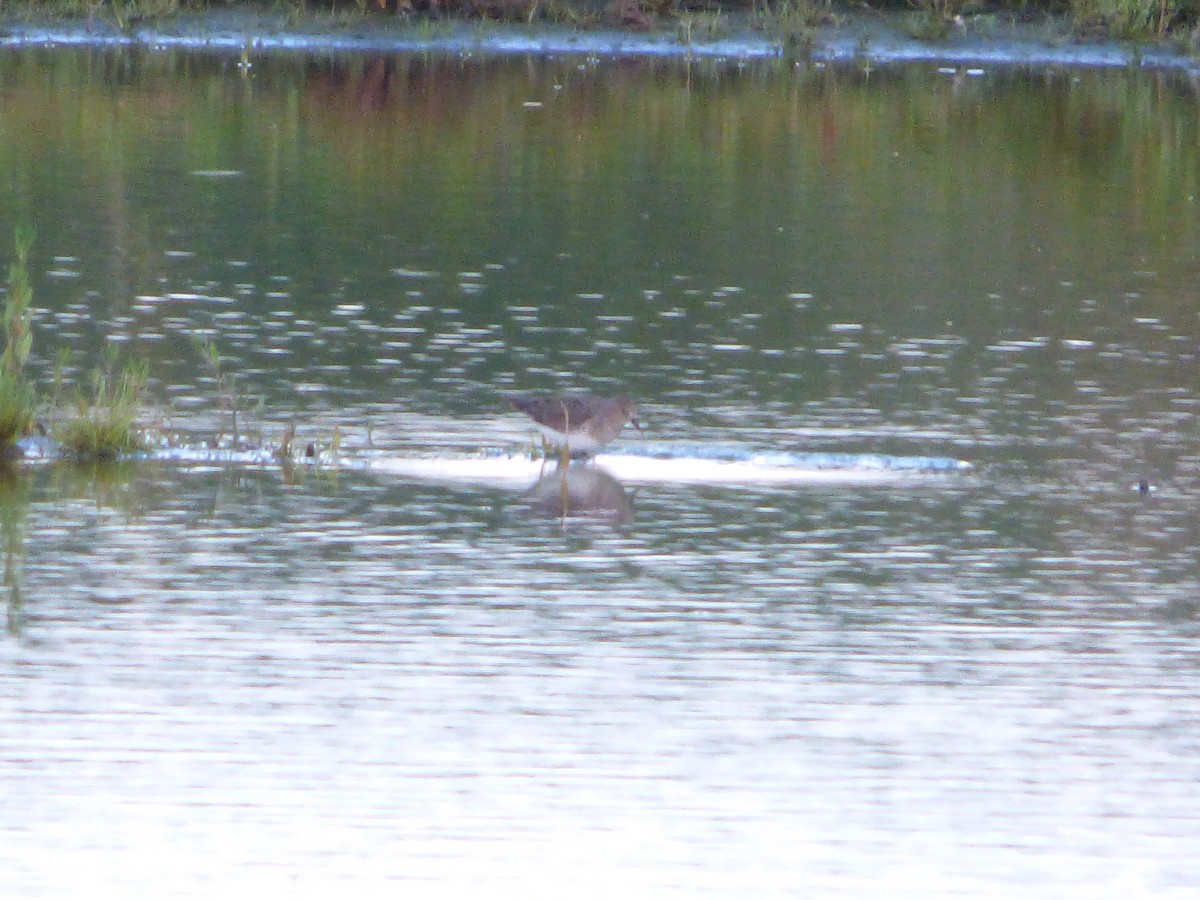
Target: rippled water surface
x=761, y=654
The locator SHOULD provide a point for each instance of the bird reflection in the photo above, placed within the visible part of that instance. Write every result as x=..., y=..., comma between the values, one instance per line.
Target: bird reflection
x=580, y=490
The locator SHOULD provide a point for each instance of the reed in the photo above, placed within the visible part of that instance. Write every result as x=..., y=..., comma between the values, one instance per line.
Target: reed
x=1131, y=19
x=17, y=399
x=226, y=382
x=104, y=424
x=702, y=25
x=792, y=22
x=934, y=19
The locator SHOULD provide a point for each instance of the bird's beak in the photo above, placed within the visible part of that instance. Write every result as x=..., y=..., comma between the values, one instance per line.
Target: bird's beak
x=634, y=423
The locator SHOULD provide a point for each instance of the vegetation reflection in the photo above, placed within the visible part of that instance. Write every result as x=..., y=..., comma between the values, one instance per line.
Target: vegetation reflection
x=14, y=510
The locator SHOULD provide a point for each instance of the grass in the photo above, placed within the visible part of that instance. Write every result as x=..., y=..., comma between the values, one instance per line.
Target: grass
x=99, y=421
x=17, y=398
x=103, y=423
x=933, y=20
x=226, y=383
x=702, y=25
x=793, y=22
x=790, y=21
x=1130, y=19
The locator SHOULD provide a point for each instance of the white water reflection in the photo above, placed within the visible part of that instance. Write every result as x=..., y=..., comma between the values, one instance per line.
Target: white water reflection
x=681, y=465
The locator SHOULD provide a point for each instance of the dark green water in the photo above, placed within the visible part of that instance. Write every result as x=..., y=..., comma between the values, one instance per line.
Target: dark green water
x=225, y=679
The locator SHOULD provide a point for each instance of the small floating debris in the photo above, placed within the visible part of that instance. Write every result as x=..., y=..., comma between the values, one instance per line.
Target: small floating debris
x=217, y=173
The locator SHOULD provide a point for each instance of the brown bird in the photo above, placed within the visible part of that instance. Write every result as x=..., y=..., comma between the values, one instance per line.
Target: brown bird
x=579, y=423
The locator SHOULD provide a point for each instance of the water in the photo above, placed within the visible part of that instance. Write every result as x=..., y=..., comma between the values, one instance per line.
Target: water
x=402, y=670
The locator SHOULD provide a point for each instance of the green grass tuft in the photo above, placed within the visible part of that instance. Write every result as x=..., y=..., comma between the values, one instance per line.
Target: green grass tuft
x=16, y=409
x=105, y=424
x=17, y=399
x=1129, y=19
x=793, y=22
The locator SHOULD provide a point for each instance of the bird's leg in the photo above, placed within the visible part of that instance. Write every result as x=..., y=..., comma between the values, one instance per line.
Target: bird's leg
x=566, y=447
x=564, y=494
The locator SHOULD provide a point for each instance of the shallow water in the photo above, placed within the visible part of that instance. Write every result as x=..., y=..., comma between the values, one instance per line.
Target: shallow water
x=400, y=669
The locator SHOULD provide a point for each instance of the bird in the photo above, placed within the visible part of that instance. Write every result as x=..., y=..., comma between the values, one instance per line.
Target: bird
x=577, y=423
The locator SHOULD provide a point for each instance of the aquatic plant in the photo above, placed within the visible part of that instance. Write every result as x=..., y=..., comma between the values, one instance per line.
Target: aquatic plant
x=17, y=399
x=702, y=25
x=1130, y=19
x=792, y=22
x=284, y=451
x=934, y=19
x=105, y=420
x=226, y=381
x=563, y=12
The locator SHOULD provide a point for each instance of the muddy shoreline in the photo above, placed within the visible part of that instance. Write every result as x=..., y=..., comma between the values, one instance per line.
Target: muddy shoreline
x=871, y=39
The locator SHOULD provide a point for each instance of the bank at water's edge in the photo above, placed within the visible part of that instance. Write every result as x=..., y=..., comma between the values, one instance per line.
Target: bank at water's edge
x=847, y=38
